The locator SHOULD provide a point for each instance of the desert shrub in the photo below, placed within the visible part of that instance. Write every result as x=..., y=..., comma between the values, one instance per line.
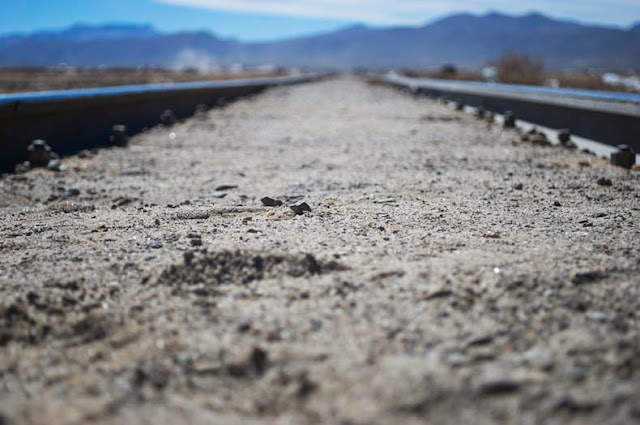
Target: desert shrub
x=517, y=68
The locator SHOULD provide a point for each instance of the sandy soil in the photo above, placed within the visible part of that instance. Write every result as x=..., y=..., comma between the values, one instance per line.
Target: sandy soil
x=28, y=80
x=447, y=273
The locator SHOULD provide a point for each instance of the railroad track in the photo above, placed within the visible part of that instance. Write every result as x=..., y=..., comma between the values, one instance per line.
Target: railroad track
x=72, y=120
x=609, y=118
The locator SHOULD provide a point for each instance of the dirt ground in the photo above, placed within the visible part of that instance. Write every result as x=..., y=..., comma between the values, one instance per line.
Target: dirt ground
x=447, y=273
x=28, y=80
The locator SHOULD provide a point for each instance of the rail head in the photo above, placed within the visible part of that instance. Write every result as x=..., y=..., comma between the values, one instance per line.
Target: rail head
x=591, y=100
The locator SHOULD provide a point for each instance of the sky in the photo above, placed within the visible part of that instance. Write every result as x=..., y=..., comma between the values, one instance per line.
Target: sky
x=255, y=20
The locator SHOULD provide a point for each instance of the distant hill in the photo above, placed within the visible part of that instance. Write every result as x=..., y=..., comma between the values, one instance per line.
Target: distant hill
x=464, y=39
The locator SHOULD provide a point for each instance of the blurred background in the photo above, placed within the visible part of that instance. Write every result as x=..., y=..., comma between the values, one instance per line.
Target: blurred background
x=63, y=44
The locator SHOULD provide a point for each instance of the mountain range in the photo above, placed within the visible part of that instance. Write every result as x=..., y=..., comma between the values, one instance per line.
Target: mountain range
x=462, y=39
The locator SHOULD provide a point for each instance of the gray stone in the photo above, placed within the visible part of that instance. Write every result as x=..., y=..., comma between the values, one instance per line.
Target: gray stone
x=300, y=207
x=270, y=202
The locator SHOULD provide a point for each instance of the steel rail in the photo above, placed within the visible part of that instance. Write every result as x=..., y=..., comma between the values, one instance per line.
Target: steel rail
x=72, y=120
x=610, y=118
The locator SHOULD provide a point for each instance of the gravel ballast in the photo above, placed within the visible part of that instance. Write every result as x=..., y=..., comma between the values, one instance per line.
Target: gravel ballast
x=411, y=264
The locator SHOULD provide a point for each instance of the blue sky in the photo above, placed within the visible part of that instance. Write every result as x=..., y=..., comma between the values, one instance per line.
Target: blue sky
x=272, y=19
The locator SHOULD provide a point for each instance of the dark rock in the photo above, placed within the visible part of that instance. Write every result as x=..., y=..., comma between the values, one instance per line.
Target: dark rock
x=121, y=201
x=245, y=325
x=225, y=187
x=70, y=193
x=154, y=245
x=518, y=186
x=580, y=278
x=540, y=139
x=259, y=360
x=300, y=207
x=573, y=405
x=270, y=202
x=479, y=340
x=603, y=181
x=499, y=386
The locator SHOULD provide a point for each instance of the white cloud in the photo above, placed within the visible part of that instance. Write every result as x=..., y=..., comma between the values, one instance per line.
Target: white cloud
x=408, y=12
x=369, y=11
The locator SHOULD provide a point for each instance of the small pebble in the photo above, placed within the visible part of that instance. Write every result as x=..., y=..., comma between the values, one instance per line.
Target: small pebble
x=300, y=207
x=226, y=187
x=603, y=181
x=499, y=386
x=70, y=193
x=270, y=202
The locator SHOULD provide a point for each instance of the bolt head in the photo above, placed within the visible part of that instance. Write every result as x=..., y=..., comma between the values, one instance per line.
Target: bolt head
x=167, y=118
x=39, y=153
x=564, y=135
x=39, y=145
x=509, y=119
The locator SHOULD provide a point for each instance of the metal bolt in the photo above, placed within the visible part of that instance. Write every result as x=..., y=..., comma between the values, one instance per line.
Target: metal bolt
x=201, y=109
x=564, y=136
x=509, y=120
x=39, y=154
x=167, y=118
x=119, y=136
x=624, y=157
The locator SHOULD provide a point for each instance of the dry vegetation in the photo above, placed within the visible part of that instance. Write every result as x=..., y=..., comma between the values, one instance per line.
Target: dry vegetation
x=519, y=69
x=447, y=72
x=27, y=80
x=514, y=68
